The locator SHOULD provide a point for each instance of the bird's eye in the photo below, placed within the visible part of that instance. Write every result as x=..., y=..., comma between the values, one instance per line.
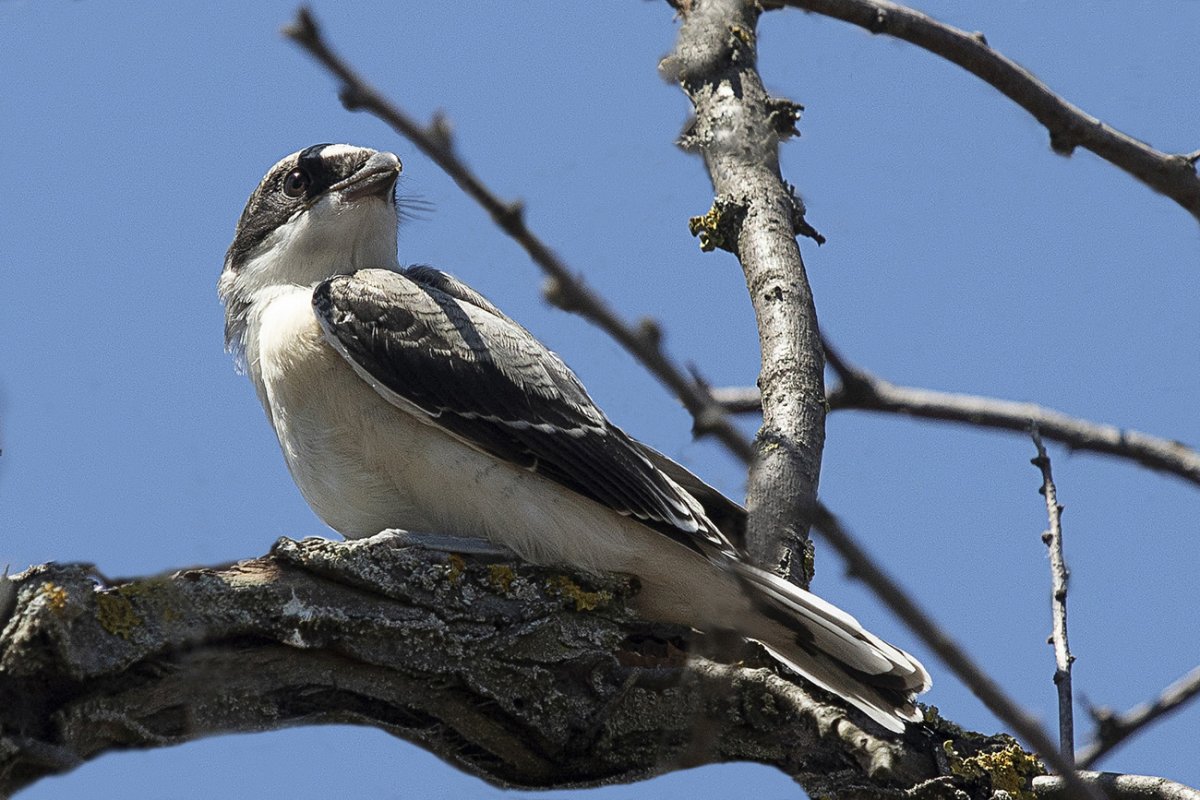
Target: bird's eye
x=295, y=183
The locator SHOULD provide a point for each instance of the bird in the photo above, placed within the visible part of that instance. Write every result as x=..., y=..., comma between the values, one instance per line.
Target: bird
x=404, y=400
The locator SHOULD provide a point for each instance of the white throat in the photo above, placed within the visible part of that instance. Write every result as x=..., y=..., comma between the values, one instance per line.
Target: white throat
x=332, y=237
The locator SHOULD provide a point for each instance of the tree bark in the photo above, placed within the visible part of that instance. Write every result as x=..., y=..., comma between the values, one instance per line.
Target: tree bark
x=525, y=676
x=756, y=215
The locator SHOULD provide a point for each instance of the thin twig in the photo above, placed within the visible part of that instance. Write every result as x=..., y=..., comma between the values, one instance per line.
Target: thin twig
x=863, y=391
x=1113, y=729
x=1058, y=601
x=1171, y=174
x=564, y=288
x=862, y=566
x=1117, y=786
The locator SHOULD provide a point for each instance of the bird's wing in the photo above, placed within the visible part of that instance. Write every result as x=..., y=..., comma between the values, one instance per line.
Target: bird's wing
x=434, y=347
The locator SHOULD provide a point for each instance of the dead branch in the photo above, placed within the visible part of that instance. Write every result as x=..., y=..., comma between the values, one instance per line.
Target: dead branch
x=1117, y=787
x=1058, y=602
x=1171, y=174
x=1113, y=729
x=860, y=390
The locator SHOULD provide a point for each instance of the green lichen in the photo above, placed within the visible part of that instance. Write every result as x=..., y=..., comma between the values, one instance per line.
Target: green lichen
x=56, y=596
x=583, y=599
x=500, y=576
x=115, y=613
x=1010, y=769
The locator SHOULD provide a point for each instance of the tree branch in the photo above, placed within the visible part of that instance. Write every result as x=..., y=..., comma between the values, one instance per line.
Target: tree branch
x=1113, y=729
x=1171, y=174
x=1117, y=787
x=524, y=676
x=563, y=288
x=862, y=566
x=862, y=391
x=1058, y=602
x=755, y=215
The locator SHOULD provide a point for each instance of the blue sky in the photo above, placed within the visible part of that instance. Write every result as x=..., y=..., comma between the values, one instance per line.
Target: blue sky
x=962, y=255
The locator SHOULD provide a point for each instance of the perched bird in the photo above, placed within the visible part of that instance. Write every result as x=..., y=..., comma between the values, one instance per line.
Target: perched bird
x=403, y=399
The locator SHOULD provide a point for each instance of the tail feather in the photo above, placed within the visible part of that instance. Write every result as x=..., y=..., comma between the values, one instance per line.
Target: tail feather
x=830, y=648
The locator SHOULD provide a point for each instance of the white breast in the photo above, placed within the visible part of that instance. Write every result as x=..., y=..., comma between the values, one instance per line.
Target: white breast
x=322, y=415
x=365, y=465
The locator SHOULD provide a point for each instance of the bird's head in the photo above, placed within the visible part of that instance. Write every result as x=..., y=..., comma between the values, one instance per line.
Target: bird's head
x=326, y=210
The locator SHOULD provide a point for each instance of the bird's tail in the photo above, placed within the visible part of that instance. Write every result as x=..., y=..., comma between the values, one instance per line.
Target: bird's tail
x=829, y=647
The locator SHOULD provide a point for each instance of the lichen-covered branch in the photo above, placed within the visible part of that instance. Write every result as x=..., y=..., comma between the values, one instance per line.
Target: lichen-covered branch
x=1116, y=786
x=525, y=676
x=1171, y=174
x=564, y=288
x=756, y=215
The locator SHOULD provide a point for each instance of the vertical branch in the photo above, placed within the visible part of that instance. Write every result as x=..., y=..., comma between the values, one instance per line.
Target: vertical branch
x=1058, y=601
x=756, y=216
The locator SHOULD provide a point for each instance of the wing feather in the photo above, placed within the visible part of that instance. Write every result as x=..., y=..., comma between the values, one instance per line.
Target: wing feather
x=430, y=342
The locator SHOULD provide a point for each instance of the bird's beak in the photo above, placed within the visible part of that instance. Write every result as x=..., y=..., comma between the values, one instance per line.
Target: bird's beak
x=376, y=178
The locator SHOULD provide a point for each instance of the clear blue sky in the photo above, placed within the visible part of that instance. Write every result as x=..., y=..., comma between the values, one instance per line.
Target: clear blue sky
x=962, y=255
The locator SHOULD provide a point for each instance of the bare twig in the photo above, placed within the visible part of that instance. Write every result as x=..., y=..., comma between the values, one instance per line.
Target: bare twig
x=862, y=391
x=564, y=288
x=1171, y=174
x=1113, y=729
x=756, y=216
x=862, y=566
x=1058, y=601
x=1117, y=787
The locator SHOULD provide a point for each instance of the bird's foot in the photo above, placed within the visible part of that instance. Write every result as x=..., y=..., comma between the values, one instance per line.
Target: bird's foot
x=446, y=543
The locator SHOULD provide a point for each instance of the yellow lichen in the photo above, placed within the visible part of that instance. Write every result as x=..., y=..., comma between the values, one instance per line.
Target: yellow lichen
x=115, y=613
x=1010, y=769
x=743, y=34
x=500, y=576
x=583, y=599
x=56, y=596
x=707, y=228
x=455, y=569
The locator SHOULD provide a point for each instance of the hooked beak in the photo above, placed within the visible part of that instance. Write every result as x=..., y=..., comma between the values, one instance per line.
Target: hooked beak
x=376, y=178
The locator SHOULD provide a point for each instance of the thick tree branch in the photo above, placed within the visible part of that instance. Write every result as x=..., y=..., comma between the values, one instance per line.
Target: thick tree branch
x=1113, y=729
x=1117, y=787
x=862, y=391
x=564, y=288
x=1058, y=602
x=525, y=676
x=755, y=215
x=1171, y=174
